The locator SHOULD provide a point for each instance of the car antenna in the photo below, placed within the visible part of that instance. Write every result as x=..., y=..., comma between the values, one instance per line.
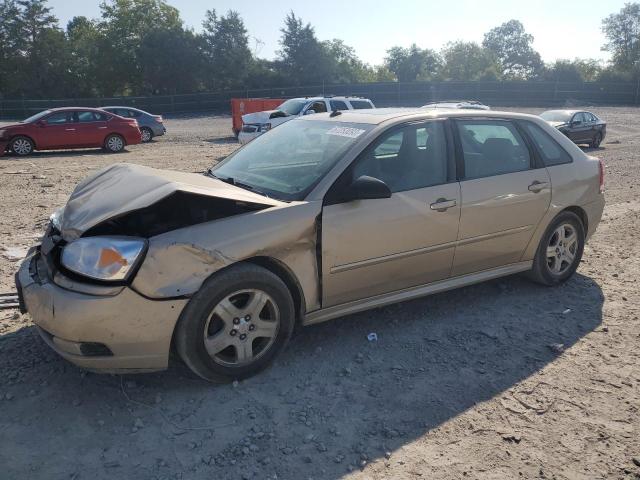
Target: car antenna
x=335, y=113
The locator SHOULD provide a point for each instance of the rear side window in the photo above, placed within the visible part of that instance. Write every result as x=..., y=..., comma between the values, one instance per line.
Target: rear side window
x=551, y=153
x=492, y=147
x=338, y=105
x=85, y=116
x=135, y=113
x=360, y=104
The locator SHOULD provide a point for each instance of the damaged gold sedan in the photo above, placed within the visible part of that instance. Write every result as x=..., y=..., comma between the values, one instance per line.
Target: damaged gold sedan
x=324, y=216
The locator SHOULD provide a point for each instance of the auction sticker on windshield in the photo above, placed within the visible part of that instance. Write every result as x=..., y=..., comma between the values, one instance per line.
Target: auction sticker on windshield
x=346, y=132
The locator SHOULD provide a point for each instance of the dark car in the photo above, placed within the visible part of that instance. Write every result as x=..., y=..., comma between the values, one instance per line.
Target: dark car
x=150, y=125
x=578, y=125
x=72, y=127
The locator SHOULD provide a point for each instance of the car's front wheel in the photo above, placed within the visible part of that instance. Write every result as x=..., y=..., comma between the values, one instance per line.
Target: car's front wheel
x=21, y=146
x=236, y=324
x=146, y=134
x=114, y=143
x=560, y=250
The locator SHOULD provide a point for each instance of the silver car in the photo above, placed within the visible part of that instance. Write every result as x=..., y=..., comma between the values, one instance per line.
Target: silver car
x=150, y=125
x=324, y=216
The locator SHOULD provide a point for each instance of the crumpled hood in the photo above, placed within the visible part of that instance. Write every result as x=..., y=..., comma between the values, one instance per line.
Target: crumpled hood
x=258, y=117
x=125, y=187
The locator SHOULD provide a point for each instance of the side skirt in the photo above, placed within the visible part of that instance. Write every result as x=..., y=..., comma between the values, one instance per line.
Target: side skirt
x=356, y=306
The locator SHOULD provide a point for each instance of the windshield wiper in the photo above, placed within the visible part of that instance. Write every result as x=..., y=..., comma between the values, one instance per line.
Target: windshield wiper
x=236, y=183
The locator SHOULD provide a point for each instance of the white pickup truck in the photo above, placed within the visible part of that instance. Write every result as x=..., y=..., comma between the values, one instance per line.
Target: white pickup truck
x=255, y=124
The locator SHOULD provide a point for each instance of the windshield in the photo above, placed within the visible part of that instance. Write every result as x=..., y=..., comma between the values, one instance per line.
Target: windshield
x=288, y=161
x=293, y=106
x=556, y=116
x=37, y=116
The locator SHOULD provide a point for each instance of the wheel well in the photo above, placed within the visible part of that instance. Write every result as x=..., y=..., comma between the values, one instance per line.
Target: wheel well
x=124, y=140
x=25, y=136
x=582, y=215
x=282, y=271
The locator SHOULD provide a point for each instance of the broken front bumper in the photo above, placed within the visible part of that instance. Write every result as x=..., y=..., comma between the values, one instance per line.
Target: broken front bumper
x=109, y=329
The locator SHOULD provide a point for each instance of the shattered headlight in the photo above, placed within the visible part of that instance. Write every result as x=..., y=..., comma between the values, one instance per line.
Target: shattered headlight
x=110, y=259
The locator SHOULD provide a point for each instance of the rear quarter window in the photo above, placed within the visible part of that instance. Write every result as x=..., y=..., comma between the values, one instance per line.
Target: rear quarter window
x=550, y=151
x=360, y=104
x=338, y=105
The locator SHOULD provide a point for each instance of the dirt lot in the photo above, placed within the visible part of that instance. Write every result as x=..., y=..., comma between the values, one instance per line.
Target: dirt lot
x=465, y=384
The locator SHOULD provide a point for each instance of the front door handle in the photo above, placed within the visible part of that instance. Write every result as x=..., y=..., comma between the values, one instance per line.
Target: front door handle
x=70, y=129
x=537, y=186
x=442, y=204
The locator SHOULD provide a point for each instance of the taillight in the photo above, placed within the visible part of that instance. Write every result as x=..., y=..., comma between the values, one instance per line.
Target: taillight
x=601, y=163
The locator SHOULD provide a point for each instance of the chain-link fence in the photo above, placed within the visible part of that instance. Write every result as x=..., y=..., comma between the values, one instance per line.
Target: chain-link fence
x=514, y=93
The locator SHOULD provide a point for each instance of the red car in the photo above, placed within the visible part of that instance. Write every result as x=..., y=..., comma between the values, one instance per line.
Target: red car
x=71, y=127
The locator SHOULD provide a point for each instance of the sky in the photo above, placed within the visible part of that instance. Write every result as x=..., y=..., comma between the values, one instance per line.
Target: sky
x=563, y=29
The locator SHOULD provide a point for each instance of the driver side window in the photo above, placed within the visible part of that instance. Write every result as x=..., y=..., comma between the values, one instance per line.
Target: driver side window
x=59, y=117
x=412, y=157
x=318, y=107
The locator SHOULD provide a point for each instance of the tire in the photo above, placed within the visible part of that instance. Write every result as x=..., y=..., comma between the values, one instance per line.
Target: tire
x=114, y=143
x=222, y=306
x=558, y=258
x=147, y=134
x=597, y=140
x=21, y=146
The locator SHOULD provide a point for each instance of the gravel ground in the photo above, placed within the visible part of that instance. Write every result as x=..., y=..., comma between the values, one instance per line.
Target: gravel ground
x=501, y=380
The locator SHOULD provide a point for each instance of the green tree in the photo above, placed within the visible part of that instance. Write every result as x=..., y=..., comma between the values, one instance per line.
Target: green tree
x=468, y=61
x=124, y=25
x=303, y=59
x=346, y=66
x=578, y=70
x=411, y=64
x=512, y=46
x=162, y=53
x=42, y=46
x=226, y=48
x=84, y=41
x=623, y=36
x=11, y=44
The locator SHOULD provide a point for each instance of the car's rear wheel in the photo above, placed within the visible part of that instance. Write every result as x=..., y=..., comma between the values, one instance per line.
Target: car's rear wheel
x=21, y=146
x=114, y=143
x=560, y=250
x=147, y=134
x=236, y=324
x=597, y=140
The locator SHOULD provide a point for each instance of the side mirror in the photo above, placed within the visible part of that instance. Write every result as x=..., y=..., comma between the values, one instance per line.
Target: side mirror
x=311, y=111
x=365, y=188
x=41, y=123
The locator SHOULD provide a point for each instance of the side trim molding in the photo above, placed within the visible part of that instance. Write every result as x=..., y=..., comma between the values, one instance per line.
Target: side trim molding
x=349, y=308
x=434, y=248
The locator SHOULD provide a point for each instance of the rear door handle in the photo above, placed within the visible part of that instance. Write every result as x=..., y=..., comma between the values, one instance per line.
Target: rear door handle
x=70, y=129
x=537, y=186
x=442, y=204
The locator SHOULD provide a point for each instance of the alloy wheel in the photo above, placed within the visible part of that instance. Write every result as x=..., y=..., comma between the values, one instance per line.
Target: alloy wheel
x=21, y=146
x=241, y=327
x=146, y=134
x=562, y=249
x=115, y=143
